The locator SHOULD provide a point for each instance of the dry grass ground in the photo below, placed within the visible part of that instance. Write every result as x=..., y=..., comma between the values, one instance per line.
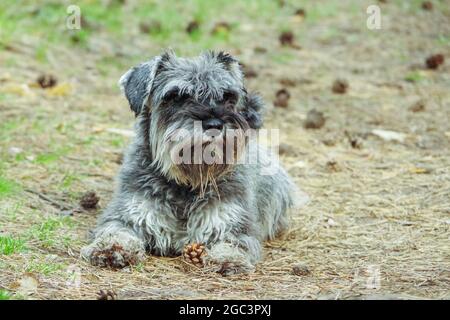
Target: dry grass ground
x=378, y=221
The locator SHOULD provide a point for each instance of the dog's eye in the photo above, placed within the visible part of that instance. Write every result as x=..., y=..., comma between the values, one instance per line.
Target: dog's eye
x=174, y=96
x=171, y=95
x=229, y=99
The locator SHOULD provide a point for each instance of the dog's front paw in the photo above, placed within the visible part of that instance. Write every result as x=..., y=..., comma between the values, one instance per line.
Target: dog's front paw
x=113, y=256
x=229, y=268
x=114, y=252
x=228, y=260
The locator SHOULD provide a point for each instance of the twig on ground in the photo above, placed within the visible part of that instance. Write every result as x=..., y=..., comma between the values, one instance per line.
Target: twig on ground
x=44, y=197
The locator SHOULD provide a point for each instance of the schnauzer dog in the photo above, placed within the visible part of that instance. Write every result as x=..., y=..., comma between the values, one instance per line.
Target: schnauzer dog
x=162, y=205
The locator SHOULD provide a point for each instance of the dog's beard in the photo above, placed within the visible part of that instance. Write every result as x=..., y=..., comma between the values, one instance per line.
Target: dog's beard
x=207, y=159
x=195, y=158
x=187, y=154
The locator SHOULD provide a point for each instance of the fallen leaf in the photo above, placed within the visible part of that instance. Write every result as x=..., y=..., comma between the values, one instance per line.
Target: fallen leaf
x=419, y=170
x=15, y=151
x=60, y=90
x=5, y=77
x=331, y=222
x=98, y=129
x=300, y=164
x=389, y=135
x=123, y=132
x=221, y=28
x=18, y=89
x=28, y=284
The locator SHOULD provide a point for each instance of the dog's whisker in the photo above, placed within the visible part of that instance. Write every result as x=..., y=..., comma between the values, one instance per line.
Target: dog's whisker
x=214, y=184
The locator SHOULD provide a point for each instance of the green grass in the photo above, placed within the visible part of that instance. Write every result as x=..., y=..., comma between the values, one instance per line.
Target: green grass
x=47, y=21
x=11, y=62
x=330, y=33
x=68, y=180
x=109, y=17
x=414, y=76
x=105, y=64
x=5, y=295
x=45, y=268
x=415, y=6
x=319, y=11
x=41, y=53
x=47, y=231
x=139, y=267
x=443, y=40
x=10, y=245
x=7, y=187
x=46, y=158
x=117, y=142
x=8, y=126
x=11, y=211
x=88, y=140
x=283, y=57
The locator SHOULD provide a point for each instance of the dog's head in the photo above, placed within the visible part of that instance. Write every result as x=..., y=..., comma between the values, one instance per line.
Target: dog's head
x=197, y=112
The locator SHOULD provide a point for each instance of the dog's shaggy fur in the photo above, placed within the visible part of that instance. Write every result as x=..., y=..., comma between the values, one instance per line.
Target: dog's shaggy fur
x=159, y=207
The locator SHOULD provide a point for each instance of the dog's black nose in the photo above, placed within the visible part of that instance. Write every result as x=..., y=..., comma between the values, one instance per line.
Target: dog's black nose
x=213, y=123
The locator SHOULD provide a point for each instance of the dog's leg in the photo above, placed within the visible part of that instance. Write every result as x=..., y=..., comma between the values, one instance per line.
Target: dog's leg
x=114, y=246
x=235, y=255
x=230, y=234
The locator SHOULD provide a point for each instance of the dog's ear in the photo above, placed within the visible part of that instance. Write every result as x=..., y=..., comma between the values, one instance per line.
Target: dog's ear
x=253, y=110
x=137, y=83
x=226, y=59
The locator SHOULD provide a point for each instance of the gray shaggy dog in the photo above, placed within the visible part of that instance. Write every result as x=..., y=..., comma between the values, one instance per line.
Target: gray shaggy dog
x=160, y=206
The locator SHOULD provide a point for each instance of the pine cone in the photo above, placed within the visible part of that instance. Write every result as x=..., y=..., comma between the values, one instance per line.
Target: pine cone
x=314, y=119
x=89, y=200
x=434, y=61
x=106, y=295
x=286, y=38
x=194, y=253
x=340, y=86
x=46, y=81
x=282, y=98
